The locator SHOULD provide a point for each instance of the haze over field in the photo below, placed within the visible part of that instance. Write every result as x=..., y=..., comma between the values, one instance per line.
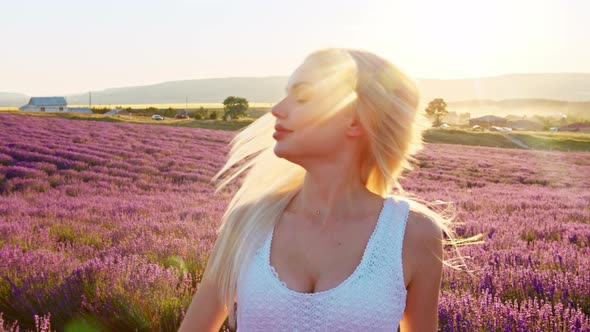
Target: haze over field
x=565, y=87
x=491, y=95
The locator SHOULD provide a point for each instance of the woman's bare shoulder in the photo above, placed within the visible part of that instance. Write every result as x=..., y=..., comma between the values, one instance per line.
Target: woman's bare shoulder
x=422, y=245
x=422, y=229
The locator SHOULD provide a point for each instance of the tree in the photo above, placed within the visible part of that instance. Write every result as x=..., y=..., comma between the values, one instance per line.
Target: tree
x=169, y=113
x=100, y=110
x=200, y=113
x=437, y=108
x=235, y=107
x=152, y=109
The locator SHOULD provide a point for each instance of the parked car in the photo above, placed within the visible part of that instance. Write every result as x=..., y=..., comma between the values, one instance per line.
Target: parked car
x=476, y=128
x=157, y=117
x=181, y=116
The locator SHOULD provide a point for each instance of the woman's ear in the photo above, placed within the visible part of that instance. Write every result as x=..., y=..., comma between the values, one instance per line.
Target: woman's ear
x=354, y=127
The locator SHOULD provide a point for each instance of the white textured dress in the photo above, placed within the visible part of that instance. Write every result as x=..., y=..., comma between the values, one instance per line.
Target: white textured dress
x=372, y=298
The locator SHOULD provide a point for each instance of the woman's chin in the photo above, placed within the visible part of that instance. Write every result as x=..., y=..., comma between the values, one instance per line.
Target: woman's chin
x=281, y=151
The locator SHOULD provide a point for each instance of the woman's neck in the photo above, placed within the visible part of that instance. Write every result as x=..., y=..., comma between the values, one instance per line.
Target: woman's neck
x=333, y=194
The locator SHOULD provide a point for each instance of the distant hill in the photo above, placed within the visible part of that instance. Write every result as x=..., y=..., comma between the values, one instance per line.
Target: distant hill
x=570, y=87
x=213, y=90
x=13, y=99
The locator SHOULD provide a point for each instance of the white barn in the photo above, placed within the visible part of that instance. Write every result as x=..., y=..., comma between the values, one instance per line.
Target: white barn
x=46, y=104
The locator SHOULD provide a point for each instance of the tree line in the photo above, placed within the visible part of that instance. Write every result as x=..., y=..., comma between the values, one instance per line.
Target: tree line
x=233, y=108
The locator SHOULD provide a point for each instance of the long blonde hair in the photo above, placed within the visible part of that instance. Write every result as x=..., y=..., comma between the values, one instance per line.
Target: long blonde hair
x=387, y=106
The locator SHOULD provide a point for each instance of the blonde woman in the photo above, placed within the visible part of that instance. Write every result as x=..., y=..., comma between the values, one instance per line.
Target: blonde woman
x=315, y=239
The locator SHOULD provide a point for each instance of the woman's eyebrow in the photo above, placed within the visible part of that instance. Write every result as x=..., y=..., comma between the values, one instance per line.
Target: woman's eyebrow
x=296, y=86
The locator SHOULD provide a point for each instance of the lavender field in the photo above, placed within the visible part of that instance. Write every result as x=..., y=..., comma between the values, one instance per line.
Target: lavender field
x=106, y=226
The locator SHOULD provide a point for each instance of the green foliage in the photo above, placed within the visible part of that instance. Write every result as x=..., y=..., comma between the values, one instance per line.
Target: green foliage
x=119, y=107
x=235, y=107
x=152, y=109
x=217, y=125
x=455, y=136
x=168, y=113
x=201, y=113
x=437, y=108
x=213, y=115
x=534, y=140
x=93, y=239
x=554, y=141
x=62, y=233
x=91, y=324
x=100, y=110
x=175, y=262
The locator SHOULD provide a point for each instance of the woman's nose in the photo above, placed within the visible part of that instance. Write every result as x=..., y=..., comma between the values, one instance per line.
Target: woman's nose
x=277, y=110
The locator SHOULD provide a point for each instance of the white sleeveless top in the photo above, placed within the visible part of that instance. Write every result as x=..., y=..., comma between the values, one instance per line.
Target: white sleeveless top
x=372, y=298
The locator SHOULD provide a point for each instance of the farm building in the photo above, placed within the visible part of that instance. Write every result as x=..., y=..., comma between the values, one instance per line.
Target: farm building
x=577, y=127
x=525, y=125
x=46, y=104
x=488, y=121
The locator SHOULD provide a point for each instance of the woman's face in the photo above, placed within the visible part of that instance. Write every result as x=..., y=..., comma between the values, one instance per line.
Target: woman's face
x=312, y=120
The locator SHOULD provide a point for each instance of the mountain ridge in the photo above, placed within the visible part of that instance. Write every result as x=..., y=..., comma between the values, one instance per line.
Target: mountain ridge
x=573, y=87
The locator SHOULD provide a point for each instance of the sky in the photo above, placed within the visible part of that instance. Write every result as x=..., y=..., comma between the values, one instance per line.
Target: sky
x=60, y=47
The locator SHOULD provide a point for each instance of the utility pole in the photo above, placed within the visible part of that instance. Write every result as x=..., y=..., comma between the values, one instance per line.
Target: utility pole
x=90, y=99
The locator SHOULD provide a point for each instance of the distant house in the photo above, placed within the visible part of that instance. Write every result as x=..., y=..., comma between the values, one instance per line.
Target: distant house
x=525, y=125
x=577, y=127
x=488, y=121
x=46, y=104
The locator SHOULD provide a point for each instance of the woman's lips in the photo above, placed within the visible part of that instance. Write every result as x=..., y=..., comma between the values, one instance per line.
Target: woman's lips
x=280, y=132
